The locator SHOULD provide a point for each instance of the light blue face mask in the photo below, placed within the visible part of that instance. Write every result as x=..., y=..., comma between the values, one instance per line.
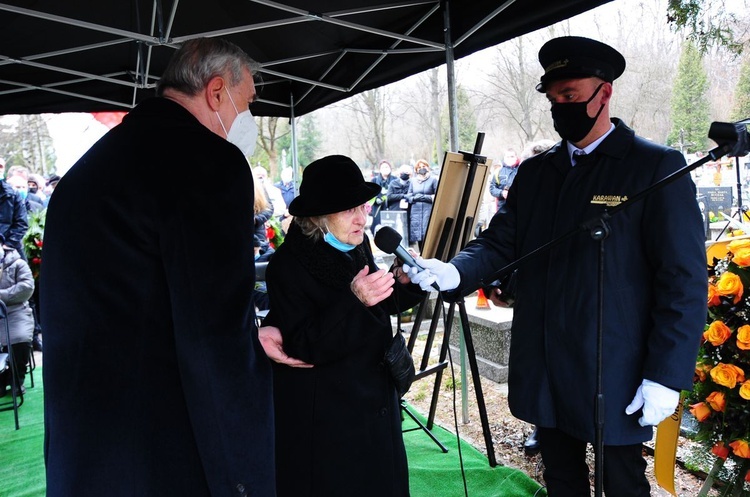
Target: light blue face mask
x=337, y=244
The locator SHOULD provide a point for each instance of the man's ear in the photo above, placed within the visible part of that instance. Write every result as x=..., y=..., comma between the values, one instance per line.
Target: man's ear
x=215, y=92
x=606, y=92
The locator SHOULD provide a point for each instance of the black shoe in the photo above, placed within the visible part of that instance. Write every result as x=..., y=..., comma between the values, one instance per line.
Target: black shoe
x=36, y=343
x=531, y=445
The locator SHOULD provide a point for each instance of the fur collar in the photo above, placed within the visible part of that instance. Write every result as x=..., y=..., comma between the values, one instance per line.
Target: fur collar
x=326, y=264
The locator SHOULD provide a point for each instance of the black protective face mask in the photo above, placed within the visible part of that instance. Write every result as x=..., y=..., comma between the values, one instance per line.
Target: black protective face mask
x=572, y=122
x=404, y=176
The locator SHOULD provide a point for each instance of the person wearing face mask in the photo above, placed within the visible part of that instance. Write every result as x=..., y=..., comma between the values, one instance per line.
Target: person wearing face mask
x=156, y=378
x=654, y=280
x=333, y=306
x=36, y=185
x=421, y=194
x=21, y=186
x=503, y=177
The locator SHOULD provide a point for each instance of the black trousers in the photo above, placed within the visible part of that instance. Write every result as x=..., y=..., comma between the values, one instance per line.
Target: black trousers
x=566, y=473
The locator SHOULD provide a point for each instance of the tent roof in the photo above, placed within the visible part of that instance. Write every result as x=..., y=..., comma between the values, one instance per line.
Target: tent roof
x=99, y=55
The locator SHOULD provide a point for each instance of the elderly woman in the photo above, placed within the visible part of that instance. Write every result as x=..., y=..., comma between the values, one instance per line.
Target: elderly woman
x=338, y=424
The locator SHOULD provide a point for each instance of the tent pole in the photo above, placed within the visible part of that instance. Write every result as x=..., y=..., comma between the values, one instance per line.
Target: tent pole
x=452, y=100
x=295, y=158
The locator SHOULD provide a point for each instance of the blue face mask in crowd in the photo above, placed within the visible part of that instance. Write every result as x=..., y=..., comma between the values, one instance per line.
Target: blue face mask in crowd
x=337, y=244
x=22, y=194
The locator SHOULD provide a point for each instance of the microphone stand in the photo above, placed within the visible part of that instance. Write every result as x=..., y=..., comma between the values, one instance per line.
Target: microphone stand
x=599, y=231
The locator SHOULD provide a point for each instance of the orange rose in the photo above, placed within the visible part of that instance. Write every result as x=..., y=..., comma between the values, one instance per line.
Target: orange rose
x=727, y=375
x=717, y=401
x=729, y=284
x=720, y=450
x=735, y=245
x=745, y=390
x=717, y=333
x=742, y=257
x=700, y=373
x=713, y=296
x=743, y=337
x=700, y=411
x=740, y=448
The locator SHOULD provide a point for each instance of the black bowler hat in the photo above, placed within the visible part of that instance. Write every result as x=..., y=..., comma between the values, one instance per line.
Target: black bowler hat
x=331, y=184
x=572, y=57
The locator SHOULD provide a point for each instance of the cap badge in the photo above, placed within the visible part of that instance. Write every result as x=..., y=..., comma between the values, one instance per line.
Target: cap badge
x=556, y=65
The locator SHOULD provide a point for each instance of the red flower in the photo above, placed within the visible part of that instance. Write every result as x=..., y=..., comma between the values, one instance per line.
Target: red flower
x=720, y=450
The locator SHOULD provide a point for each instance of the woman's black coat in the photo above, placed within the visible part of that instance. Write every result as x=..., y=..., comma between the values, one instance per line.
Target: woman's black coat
x=338, y=424
x=420, y=196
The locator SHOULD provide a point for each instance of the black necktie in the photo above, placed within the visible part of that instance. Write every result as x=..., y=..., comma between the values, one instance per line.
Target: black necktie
x=579, y=156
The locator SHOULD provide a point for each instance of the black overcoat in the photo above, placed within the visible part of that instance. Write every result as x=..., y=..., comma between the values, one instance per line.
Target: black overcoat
x=655, y=284
x=155, y=382
x=338, y=424
x=420, y=195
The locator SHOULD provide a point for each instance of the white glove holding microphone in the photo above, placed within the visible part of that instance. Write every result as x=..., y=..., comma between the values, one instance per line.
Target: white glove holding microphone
x=658, y=403
x=444, y=274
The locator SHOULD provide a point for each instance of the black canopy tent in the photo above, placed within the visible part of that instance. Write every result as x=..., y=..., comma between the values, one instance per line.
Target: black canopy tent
x=93, y=55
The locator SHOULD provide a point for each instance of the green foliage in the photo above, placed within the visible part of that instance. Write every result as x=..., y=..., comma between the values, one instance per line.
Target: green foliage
x=467, y=123
x=689, y=106
x=741, y=108
x=308, y=140
x=276, y=234
x=707, y=22
x=26, y=141
x=449, y=384
x=34, y=240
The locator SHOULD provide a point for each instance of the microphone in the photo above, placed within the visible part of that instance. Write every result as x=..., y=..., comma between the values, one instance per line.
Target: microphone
x=388, y=240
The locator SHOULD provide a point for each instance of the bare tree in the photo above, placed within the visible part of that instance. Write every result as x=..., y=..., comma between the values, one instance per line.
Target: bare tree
x=370, y=109
x=270, y=131
x=422, y=106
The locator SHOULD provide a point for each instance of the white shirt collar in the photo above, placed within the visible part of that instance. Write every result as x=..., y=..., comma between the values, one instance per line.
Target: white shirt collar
x=590, y=147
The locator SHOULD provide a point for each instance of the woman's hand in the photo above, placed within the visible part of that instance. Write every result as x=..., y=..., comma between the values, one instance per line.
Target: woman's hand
x=400, y=275
x=373, y=288
x=270, y=339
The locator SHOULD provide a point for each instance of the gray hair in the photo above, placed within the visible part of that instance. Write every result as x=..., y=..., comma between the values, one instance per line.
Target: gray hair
x=197, y=61
x=312, y=227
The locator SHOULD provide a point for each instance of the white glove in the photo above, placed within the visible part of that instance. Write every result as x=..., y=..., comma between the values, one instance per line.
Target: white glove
x=658, y=403
x=435, y=271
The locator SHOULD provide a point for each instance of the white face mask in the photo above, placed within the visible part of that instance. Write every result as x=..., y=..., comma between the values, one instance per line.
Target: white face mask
x=244, y=131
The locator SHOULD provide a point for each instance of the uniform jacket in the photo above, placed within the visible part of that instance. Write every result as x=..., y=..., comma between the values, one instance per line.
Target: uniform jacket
x=655, y=283
x=16, y=287
x=155, y=382
x=420, y=196
x=338, y=424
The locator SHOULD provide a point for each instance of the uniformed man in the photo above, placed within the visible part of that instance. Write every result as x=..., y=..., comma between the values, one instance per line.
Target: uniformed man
x=654, y=292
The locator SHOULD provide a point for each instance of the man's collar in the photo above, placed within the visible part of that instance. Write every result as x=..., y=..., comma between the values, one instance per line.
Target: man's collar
x=591, y=146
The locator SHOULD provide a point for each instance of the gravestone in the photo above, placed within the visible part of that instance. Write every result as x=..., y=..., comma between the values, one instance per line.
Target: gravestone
x=715, y=199
x=397, y=220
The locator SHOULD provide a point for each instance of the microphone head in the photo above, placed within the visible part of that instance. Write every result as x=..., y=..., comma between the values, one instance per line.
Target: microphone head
x=387, y=239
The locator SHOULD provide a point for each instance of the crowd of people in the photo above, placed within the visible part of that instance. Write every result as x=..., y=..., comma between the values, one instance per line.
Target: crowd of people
x=21, y=194
x=179, y=391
